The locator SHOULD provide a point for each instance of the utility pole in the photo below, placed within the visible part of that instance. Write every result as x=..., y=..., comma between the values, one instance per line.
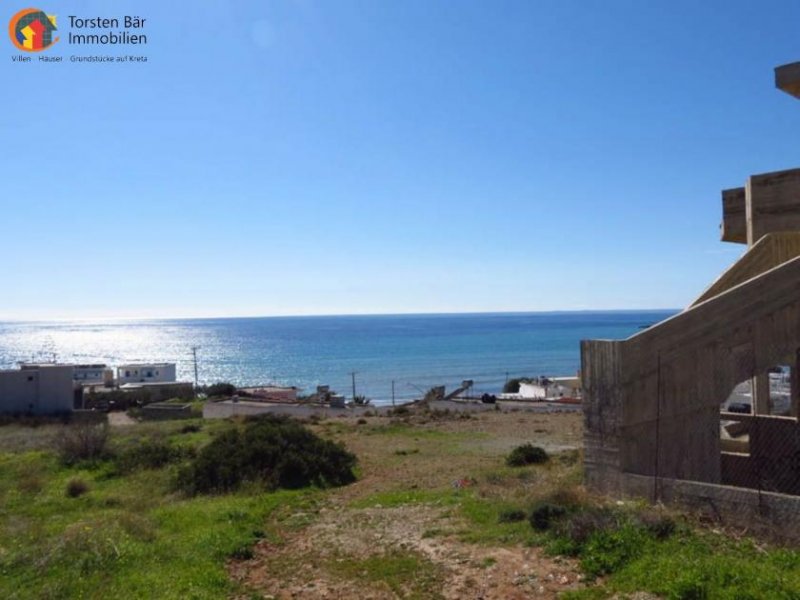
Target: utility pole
x=194, y=353
x=353, y=374
x=392, y=392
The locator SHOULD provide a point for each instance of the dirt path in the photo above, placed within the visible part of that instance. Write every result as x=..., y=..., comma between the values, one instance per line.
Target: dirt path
x=352, y=547
x=119, y=419
x=305, y=565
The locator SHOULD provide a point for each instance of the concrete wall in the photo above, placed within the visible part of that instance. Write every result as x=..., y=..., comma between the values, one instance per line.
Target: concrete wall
x=156, y=392
x=760, y=512
x=652, y=401
x=40, y=390
x=223, y=410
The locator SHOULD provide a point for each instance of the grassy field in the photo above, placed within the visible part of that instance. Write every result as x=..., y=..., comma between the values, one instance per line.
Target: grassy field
x=435, y=513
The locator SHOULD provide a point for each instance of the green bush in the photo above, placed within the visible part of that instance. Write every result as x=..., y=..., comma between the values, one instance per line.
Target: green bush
x=512, y=386
x=606, y=552
x=576, y=529
x=220, y=389
x=76, y=487
x=150, y=454
x=511, y=515
x=658, y=525
x=545, y=514
x=527, y=454
x=271, y=450
x=607, y=538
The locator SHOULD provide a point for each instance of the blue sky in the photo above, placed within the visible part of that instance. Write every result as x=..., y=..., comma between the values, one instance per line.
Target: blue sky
x=379, y=157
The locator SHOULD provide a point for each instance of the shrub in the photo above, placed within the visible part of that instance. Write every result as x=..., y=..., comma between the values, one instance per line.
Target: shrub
x=658, y=525
x=577, y=528
x=608, y=551
x=608, y=538
x=151, y=454
x=83, y=441
x=527, y=454
x=511, y=515
x=76, y=487
x=271, y=450
x=361, y=422
x=220, y=389
x=512, y=386
x=545, y=514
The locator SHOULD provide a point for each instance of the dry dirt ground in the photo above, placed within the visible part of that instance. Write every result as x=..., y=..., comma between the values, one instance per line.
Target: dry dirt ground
x=365, y=541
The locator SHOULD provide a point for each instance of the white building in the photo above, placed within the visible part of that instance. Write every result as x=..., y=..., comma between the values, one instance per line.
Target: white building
x=86, y=374
x=532, y=390
x=92, y=374
x=37, y=389
x=146, y=373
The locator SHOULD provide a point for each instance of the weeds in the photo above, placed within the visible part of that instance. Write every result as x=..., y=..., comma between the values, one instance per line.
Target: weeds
x=511, y=515
x=83, y=442
x=150, y=454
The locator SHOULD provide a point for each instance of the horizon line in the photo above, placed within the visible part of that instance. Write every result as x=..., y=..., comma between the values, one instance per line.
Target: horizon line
x=330, y=315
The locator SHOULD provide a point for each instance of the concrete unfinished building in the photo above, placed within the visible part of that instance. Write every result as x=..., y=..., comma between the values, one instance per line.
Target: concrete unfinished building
x=657, y=420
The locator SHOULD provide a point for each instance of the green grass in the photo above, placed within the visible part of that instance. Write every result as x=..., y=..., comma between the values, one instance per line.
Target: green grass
x=392, y=499
x=697, y=565
x=480, y=515
x=406, y=574
x=128, y=535
x=409, y=430
x=131, y=534
x=691, y=564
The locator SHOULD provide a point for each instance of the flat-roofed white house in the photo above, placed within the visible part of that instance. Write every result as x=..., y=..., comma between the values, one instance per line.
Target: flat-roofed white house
x=37, y=389
x=97, y=374
x=146, y=373
x=83, y=374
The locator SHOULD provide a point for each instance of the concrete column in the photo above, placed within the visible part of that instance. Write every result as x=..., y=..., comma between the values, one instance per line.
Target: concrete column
x=795, y=390
x=761, y=401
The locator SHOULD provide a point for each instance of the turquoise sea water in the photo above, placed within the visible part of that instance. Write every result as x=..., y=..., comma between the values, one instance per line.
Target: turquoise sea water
x=416, y=351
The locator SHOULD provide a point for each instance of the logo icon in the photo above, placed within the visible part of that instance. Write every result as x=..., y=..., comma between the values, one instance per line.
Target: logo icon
x=32, y=30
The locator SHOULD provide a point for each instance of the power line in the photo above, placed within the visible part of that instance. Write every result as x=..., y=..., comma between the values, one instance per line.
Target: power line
x=194, y=354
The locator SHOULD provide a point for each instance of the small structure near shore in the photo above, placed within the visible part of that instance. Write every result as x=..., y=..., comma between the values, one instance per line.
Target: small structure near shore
x=269, y=393
x=550, y=389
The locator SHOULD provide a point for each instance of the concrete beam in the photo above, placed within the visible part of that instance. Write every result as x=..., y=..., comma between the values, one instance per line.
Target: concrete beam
x=787, y=78
x=761, y=399
x=734, y=216
x=795, y=386
x=772, y=203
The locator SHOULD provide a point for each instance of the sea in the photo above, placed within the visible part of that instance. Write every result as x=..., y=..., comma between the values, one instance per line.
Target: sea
x=388, y=357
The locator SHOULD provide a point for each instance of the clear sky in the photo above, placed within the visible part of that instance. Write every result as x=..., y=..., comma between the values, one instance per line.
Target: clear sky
x=332, y=157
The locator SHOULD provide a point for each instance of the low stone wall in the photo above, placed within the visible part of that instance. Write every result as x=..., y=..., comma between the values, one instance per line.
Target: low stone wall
x=761, y=513
x=227, y=408
x=159, y=411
